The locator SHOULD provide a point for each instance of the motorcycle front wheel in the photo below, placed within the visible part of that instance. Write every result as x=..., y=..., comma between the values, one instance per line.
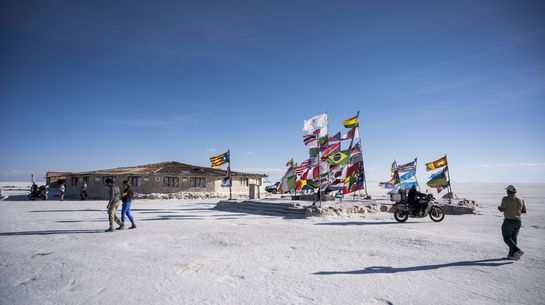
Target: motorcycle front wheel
x=43, y=196
x=30, y=197
x=401, y=216
x=437, y=214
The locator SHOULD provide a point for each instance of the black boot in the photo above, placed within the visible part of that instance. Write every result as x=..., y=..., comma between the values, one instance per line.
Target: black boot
x=121, y=227
x=109, y=230
x=132, y=227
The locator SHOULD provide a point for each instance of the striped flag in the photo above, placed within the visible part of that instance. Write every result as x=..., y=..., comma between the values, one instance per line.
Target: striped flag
x=299, y=170
x=351, y=122
x=219, y=160
x=409, y=167
x=328, y=150
x=309, y=138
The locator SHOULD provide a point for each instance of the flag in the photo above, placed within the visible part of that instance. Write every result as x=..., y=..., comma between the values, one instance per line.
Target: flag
x=356, y=158
x=351, y=122
x=311, y=173
x=355, y=184
x=437, y=164
x=328, y=150
x=408, y=180
x=309, y=138
x=439, y=179
x=323, y=141
x=339, y=158
x=386, y=185
x=335, y=138
x=394, y=174
x=226, y=182
x=351, y=134
x=219, y=160
x=291, y=182
x=411, y=166
x=316, y=122
x=290, y=163
x=300, y=184
x=299, y=170
x=287, y=180
x=314, y=152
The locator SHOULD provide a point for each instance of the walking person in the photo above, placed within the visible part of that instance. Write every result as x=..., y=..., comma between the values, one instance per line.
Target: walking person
x=126, y=207
x=62, y=188
x=512, y=207
x=113, y=204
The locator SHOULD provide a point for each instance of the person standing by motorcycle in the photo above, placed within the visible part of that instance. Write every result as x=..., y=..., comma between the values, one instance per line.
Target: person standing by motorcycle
x=414, y=196
x=512, y=208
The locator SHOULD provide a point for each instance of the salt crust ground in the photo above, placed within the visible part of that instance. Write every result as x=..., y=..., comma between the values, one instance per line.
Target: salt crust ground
x=183, y=252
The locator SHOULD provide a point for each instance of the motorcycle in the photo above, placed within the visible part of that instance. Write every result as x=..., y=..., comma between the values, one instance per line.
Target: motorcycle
x=40, y=192
x=403, y=210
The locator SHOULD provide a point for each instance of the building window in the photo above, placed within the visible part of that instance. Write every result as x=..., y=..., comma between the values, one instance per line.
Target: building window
x=244, y=181
x=197, y=182
x=85, y=180
x=106, y=177
x=135, y=181
x=171, y=181
x=74, y=181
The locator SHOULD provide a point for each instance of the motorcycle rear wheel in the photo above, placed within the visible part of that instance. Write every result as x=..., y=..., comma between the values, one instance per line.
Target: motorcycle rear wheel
x=437, y=214
x=401, y=216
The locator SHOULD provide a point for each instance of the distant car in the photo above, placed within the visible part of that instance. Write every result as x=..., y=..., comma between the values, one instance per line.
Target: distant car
x=273, y=188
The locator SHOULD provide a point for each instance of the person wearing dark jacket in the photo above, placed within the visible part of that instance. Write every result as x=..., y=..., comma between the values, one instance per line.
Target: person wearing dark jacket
x=126, y=207
x=512, y=208
x=414, y=197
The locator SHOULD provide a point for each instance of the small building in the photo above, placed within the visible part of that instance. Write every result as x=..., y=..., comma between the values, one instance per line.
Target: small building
x=165, y=177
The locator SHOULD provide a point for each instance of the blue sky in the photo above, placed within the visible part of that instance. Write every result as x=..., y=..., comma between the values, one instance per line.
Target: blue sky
x=100, y=84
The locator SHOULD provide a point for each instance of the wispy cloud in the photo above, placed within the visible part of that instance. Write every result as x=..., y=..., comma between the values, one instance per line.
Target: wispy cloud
x=524, y=165
x=249, y=152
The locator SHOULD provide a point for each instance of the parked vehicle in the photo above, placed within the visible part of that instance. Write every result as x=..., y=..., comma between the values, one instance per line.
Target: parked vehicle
x=273, y=188
x=40, y=192
x=404, y=211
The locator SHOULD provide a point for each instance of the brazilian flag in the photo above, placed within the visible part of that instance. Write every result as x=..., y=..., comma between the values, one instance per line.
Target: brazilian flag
x=339, y=158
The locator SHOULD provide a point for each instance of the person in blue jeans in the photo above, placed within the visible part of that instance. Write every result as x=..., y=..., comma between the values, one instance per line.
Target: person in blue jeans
x=126, y=207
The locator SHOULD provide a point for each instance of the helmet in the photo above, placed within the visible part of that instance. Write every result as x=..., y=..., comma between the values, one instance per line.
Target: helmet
x=511, y=188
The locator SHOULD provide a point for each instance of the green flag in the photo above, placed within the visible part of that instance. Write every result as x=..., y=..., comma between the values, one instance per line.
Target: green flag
x=339, y=158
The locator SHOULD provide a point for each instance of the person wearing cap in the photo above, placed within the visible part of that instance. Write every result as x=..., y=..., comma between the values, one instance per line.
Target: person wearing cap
x=512, y=207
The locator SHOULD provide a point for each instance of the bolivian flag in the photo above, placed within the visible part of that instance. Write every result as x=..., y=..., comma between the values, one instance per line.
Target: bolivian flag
x=219, y=160
x=437, y=164
x=351, y=122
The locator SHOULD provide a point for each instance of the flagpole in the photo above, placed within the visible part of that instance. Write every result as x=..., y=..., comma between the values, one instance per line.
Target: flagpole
x=362, y=164
x=449, y=183
x=415, y=177
x=230, y=179
x=320, y=159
